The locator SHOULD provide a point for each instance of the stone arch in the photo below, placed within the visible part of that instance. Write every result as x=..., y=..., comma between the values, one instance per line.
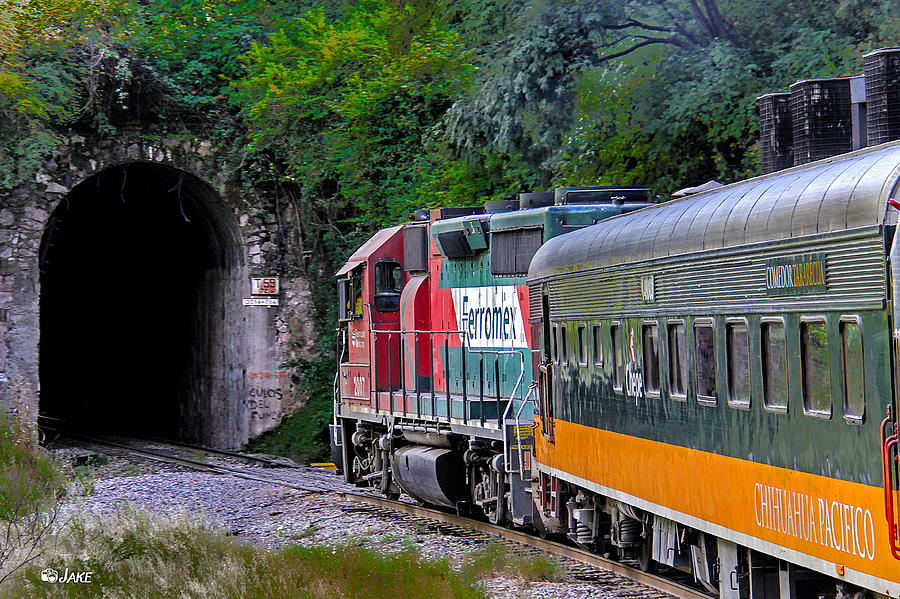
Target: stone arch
x=142, y=270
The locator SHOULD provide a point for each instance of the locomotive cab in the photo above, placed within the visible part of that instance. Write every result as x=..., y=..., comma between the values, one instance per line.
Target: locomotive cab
x=369, y=287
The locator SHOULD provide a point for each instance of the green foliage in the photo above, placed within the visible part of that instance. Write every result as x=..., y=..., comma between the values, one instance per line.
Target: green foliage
x=30, y=484
x=355, y=113
x=345, y=103
x=672, y=115
x=523, y=105
x=29, y=480
x=199, y=45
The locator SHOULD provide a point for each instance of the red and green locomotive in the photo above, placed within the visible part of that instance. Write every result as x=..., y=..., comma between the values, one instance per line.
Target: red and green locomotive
x=435, y=393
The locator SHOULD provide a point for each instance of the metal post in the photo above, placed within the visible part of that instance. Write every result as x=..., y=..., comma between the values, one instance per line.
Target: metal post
x=446, y=361
x=373, y=367
x=481, y=388
x=416, y=383
x=497, y=377
x=390, y=373
x=402, y=370
x=465, y=386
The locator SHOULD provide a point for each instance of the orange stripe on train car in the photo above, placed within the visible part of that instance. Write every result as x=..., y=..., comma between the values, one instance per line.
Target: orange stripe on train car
x=837, y=521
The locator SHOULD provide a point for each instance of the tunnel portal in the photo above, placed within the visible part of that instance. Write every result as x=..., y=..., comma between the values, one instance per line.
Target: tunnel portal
x=139, y=267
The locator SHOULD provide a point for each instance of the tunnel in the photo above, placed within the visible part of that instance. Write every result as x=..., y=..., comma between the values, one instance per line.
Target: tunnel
x=140, y=270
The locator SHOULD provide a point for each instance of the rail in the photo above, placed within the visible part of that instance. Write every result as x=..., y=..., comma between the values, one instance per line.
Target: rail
x=311, y=485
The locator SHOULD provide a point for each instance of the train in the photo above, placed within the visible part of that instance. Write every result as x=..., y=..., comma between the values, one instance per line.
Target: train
x=708, y=384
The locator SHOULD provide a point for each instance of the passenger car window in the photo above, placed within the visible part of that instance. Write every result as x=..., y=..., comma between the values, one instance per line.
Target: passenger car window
x=815, y=368
x=564, y=343
x=678, y=364
x=650, y=338
x=738, y=343
x=774, y=366
x=582, y=359
x=598, y=346
x=618, y=356
x=705, y=351
x=852, y=368
x=555, y=343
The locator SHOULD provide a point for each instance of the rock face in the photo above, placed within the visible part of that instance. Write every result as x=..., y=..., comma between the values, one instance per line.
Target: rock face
x=124, y=273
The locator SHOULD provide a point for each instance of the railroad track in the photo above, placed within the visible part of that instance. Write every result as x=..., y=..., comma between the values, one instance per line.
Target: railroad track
x=587, y=566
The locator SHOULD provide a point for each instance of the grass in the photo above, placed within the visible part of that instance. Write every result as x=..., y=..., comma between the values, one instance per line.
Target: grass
x=30, y=484
x=133, y=554
x=494, y=557
x=137, y=554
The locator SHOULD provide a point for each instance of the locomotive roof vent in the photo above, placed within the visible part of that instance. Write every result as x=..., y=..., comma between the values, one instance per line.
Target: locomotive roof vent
x=460, y=211
x=535, y=199
x=494, y=206
x=423, y=215
x=601, y=194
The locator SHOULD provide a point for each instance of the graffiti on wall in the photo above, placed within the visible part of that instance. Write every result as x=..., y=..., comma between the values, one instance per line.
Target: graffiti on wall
x=265, y=392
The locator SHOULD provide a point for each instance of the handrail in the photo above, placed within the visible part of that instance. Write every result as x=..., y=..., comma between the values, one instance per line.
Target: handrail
x=887, y=480
x=465, y=348
x=336, y=385
x=531, y=393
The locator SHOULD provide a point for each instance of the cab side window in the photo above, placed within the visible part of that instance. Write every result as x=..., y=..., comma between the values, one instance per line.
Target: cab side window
x=388, y=285
x=350, y=299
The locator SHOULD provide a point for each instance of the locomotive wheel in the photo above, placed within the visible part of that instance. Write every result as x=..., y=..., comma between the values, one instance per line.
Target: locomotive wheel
x=645, y=561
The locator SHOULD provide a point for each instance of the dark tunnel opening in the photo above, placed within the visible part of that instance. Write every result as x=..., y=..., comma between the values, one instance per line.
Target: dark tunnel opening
x=134, y=267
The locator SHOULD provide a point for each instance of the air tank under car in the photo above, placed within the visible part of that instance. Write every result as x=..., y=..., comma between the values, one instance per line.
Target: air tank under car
x=435, y=475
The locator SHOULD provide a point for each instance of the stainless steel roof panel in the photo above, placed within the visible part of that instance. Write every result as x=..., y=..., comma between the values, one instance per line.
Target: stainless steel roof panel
x=736, y=227
x=714, y=235
x=839, y=196
x=781, y=212
x=681, y=240
x=629, y=246
x=805, y=217
x=782, y=205
x=660, y=229
x=757, y=228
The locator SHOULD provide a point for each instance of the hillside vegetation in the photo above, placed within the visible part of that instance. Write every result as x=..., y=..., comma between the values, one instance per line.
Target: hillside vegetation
x=360, y=112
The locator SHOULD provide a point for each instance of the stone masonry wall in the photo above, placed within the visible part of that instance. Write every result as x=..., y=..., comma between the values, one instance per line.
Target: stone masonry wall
x=271, y=335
